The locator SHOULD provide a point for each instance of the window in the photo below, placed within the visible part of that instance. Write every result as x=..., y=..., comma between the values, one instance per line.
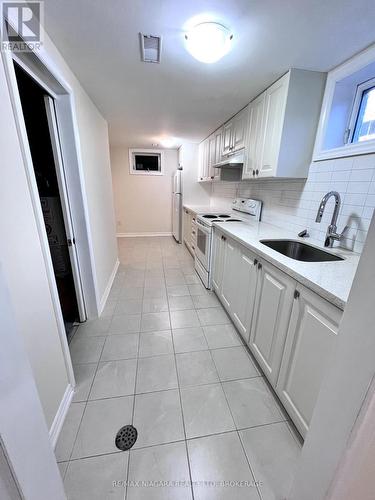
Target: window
x=146, y=162
x=365, y=124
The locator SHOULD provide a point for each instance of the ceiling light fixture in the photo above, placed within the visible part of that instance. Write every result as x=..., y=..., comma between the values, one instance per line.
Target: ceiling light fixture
x=208, y=42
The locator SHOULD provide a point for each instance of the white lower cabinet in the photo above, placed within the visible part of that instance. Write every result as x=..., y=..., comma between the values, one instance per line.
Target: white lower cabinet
x=308, y=350
x=290, y=330
x=218, y=250
x=273, y=304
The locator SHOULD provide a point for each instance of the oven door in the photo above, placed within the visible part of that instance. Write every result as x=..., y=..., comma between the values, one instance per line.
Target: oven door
x=203, y=247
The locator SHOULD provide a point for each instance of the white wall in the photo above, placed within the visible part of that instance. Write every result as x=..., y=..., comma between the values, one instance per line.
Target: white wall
x=143, y=203
x=20, y=251
x=195, y=193
x=293, y=204
x=93, y=138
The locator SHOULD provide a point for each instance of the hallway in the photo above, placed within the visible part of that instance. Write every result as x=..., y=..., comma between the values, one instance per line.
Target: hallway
x=165, y=357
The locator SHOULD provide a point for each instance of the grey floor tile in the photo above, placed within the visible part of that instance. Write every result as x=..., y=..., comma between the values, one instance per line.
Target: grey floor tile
x=180, y=303
x=69, y=431
x=157, y=373
x=125, y=323
x=177, y=290
x=109, y=308
x=252, y=403
x=114, y=378
x=154, y=293
x=158, y=418
x=192, y=279
x=152, y=305
x=155, y=343
x=218, y=336
x=84, y=375
x=120, y=347
x=128, y=306
x=100, y=423
x=86, y=349
x=273, y=453
x=175, y=280
x=196, y=368
x=94, y=478
x=152, y=322
x=213, y=316
x=94, y=327
x=184, y=319
x=131, y=293
x=218, y=459
x=189, y=339
x=205, y=301
x=205, y=410
x=197, y=289
x=163, y=463
x=233, y=363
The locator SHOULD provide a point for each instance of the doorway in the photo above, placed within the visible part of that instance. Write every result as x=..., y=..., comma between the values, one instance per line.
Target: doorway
x=43, y=137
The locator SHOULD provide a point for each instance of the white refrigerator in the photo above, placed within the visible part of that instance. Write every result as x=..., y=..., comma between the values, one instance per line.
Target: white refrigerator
x=177, y=206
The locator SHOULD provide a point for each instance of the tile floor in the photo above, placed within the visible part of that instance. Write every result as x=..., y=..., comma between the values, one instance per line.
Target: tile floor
x=166, y=358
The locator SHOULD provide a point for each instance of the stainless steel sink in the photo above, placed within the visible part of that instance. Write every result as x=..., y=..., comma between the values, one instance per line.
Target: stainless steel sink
x=300, y=251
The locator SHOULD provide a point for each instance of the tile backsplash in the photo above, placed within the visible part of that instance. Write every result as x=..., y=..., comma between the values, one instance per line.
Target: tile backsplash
x=293, y=204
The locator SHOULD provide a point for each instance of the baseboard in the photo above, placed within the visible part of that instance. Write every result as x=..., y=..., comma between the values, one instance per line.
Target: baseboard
x=136, y=235
x=104, y=298
x=60, y=416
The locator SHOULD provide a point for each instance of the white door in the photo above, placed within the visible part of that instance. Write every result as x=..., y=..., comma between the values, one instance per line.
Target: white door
x=308, y=350
x=274, y=119
x=246, y=277
x=273, y=305
x=229, y=283
x=56, y=148
x=255, y=138
x=239, y=129
x=23, y=431
x=217, y=260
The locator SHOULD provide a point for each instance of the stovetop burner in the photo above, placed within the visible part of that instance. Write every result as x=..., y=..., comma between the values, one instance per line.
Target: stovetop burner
x=208, y=216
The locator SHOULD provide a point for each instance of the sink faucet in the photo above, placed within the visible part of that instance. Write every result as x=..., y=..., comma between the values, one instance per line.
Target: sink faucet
x=331, y=234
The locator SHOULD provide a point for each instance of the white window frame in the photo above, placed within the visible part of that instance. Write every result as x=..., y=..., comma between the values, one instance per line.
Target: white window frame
x=362, y=87
x=134, y=151
x=348, y=68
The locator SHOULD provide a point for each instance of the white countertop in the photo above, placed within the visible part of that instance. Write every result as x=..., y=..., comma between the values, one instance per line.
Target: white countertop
x=331, y=280
x=203, y=209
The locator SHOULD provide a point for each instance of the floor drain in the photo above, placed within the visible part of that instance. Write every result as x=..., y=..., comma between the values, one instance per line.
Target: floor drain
x=126, y=437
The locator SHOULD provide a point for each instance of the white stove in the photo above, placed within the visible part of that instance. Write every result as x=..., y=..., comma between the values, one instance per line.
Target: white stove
x=205, y=223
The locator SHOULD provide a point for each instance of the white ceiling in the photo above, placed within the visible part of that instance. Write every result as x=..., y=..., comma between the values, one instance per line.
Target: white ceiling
x=182, y=97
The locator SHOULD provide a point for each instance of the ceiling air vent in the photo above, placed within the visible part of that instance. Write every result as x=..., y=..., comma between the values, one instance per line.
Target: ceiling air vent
x=150, y=48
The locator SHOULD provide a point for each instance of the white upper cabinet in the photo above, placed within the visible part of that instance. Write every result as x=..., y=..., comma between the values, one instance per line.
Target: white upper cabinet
x=310, y=342
x=273, y=126
x=234, y=133
x=255, y=139
x=209, y=155
x=203, y=175
x=282, y=125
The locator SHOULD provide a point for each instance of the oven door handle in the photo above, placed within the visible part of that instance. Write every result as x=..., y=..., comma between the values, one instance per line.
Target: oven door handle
x=204, y=228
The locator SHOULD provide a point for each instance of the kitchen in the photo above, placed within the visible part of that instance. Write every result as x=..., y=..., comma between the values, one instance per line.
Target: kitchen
x=227, y=347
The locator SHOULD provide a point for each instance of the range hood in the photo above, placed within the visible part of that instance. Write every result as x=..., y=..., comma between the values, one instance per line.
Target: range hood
x=232, y=161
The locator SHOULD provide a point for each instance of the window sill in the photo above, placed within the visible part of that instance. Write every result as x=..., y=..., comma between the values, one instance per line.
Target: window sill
x=359, y=148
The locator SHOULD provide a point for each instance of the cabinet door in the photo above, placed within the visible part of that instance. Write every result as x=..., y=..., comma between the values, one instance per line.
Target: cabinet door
x=246, y=282
x=229, y=280
x=309, y=346
x=227, y=137
x=218, y=261
x=273, y=304
x=274, y=119
x=255, y=138
x=203, y=160
x=239, y=129
x=211, y=156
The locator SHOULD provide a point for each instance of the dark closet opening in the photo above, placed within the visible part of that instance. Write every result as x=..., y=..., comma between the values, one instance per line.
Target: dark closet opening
x=34, y=112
